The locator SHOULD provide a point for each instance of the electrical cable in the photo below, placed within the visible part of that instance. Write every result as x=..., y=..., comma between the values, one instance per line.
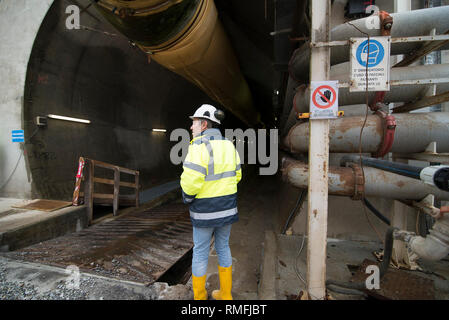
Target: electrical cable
x=369, y=222
x=301, y=198
x=298, y=274
x=394, y=167
x=364, y=123
x=18, y=161
x=417, y=222
x=376, y=212
x=298, y=203
x=347, y=291
x=388, y=249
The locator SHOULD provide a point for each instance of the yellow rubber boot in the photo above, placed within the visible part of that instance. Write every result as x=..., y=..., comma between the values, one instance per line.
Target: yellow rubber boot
x=225, y=275
x=199, y=288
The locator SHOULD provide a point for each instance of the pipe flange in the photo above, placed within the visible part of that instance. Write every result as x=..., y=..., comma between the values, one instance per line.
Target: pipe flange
x=386, y=23
x=359, y=179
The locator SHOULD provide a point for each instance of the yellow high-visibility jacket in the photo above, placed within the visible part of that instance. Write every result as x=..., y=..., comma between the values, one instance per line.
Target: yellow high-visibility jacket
x=209, y=180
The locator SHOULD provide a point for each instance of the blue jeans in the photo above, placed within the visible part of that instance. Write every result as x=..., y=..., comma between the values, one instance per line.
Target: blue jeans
x=201, y=247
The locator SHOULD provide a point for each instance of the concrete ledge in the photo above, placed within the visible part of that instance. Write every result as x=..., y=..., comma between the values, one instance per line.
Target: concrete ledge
x=26, y=228
x=42, y=226
x=268, y=273
x=23, y=228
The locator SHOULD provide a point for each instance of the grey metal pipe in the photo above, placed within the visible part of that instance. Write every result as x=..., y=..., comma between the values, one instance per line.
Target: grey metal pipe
x=396, y=94
x=405, y=24
x=378, y=183
x=391, y=166
x=286, y=120
x=414, y=132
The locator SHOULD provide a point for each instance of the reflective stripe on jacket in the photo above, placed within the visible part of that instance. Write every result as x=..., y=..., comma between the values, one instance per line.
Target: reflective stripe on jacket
x=209, y=180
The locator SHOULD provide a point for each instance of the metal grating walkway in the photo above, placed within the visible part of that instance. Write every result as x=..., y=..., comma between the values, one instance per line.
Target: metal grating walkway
x=140, y=246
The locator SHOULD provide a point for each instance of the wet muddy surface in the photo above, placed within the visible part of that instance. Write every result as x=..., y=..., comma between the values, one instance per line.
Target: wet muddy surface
x=140, y=246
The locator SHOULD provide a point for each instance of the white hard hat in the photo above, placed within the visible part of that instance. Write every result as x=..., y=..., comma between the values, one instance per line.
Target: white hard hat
x=207, y=111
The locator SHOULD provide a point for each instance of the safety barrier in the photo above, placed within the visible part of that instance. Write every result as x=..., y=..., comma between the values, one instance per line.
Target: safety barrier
x=90, y=197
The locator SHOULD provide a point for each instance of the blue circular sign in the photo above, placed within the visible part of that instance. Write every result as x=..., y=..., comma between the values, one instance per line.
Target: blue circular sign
x=376, y=53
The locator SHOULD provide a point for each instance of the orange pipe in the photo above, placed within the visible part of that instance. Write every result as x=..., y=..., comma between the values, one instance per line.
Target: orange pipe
x=200, y=51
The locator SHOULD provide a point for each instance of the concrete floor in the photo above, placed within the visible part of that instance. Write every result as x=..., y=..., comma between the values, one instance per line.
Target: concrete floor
x=340, y=255
x=12, y=217
x=263, y=260
x=257, y=209
x=256, y=215
x=24, y=227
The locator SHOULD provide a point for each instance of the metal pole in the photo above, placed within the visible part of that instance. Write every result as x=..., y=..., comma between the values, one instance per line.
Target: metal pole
x=319, y=159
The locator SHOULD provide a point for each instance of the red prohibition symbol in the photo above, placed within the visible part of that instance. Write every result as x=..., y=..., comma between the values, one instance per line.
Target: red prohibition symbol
x=320, y=93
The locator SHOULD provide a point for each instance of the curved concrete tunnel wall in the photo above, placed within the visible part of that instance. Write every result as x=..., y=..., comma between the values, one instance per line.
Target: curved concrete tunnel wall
x=96, y=76
x=14, y=56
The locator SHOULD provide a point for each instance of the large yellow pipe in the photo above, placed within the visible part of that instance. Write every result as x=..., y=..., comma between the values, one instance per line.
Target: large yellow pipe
x=186, y=37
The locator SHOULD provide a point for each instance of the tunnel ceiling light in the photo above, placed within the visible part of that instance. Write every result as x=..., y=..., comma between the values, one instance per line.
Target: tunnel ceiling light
x=159, y=130
x=53, y=116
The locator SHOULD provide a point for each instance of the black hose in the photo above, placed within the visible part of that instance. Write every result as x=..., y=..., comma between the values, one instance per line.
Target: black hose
x=375, y=211
x=388, y=250
x=347, y=291
x=301, y=198
x=394, y=167
x=383, y=266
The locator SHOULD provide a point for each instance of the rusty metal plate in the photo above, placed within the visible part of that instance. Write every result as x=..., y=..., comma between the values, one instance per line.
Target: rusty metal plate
x=140, y=246
x=397, y=284
x=44, y=205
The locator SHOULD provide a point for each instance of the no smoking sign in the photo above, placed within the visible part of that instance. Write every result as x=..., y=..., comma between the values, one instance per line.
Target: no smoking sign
x=323, y=99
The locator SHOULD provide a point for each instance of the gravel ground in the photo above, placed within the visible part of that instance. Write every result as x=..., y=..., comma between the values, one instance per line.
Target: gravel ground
x=14, y=291
x=90, y=288
x=21, y=290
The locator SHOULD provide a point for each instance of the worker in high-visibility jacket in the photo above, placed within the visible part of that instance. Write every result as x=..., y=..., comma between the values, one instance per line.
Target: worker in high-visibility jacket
x=209, y=185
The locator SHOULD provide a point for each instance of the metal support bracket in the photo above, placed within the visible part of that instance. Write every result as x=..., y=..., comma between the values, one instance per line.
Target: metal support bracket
x=441, y=37
x=422, y=103
x=398, y=83
x=431, y=148
x=359, y=178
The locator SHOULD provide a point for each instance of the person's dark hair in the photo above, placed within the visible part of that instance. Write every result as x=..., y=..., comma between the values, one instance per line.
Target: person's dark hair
x=210, y=124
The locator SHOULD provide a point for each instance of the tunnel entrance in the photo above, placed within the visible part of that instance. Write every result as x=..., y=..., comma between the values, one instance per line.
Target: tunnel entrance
x=95, y=74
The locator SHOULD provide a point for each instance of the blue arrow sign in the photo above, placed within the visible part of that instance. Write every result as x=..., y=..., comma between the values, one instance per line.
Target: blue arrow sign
x=18, y=136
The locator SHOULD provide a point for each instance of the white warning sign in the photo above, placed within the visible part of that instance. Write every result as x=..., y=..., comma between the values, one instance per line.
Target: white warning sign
x=323, y=99
x=373, y=53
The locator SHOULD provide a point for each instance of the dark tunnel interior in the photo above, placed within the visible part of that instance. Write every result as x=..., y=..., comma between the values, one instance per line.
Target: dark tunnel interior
x=95, y=73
